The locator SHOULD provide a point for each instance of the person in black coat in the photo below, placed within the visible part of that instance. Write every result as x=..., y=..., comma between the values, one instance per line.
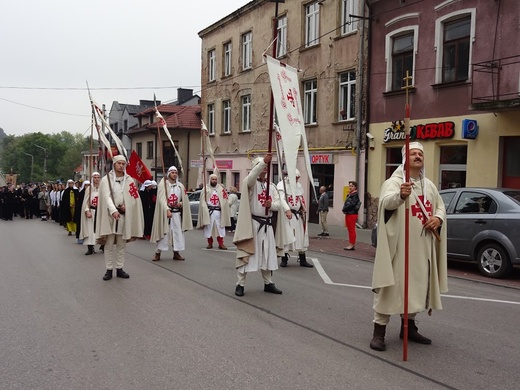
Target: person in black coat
x=68, y=207
x=148, y=194
x=351, y=209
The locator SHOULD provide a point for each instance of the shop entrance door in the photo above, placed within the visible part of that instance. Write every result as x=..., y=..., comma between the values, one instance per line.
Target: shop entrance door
x=511, y=167
x=323, y=176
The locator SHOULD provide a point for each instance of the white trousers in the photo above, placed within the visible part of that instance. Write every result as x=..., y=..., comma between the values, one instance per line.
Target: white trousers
x=266, y=275
x=214, y=219
x=384, y=319
x=115, y=251
x=175, y=234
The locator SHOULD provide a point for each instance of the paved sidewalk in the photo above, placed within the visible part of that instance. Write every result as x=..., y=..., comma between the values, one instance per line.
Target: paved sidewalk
x=338, y=239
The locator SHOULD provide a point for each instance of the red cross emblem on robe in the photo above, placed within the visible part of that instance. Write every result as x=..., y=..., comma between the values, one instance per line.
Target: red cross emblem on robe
x=292, y=200
x=94, y=201
x=417, y=212
x=262, y=198
x=224, y=194
x=214, y=200
x=133, y=191
x=172, y=200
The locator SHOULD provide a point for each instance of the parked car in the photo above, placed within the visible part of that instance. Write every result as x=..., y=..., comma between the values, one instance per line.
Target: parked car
x=483, y=227
x=194, y=198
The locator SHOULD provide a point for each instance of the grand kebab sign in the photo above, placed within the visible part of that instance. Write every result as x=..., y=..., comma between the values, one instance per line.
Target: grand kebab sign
x=438, y=130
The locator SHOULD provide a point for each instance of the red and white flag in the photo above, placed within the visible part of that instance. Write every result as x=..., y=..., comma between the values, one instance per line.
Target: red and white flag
x=137, y=169
x=286, y=94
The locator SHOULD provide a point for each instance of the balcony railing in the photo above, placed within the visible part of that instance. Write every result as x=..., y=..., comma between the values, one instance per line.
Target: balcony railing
x=496, y=85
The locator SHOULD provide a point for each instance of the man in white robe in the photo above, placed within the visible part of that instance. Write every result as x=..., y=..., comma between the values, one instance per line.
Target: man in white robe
x=214, y=212
x=119, y=217
x=88, y=214
x=172, y=216
x=427, y=255
x=254, y=236
x=296, y=224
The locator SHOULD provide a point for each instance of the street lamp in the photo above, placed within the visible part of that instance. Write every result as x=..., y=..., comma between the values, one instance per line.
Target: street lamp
x=44, y=161
x=32, y=163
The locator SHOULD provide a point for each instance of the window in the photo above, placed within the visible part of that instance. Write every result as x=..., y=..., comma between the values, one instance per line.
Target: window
x=227, y=58
x=211, y=119
x=454, y=34
x=246, y=113
x=475, y=203
x=236, y=179
x=114, y=127
x=312, y=24
x=149, y=149
x=281, y=34
x=402, y=60
x=139, y=151
x=226, y=117
x=455, y=63
x=347, y=95
x=452, y=167
x=348, y=24
x=211, y=65
x=311, y=100
x=125, y=126
x=400, y=49
x=247, y=50
x=393, y=160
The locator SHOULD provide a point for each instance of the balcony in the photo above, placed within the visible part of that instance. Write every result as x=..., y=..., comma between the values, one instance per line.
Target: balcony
x=496, y=85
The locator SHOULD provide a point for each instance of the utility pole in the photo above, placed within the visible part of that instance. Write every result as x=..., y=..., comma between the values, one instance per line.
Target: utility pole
x=44, y=161
x=32, y=163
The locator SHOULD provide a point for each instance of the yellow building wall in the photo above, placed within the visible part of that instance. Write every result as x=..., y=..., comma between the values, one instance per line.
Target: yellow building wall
x=483, y=167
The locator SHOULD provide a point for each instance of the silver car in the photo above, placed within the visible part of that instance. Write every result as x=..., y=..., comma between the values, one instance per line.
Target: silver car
x=194, y=198
x=484, y=226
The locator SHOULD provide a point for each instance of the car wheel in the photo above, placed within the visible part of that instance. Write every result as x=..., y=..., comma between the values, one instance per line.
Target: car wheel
x=493, y=261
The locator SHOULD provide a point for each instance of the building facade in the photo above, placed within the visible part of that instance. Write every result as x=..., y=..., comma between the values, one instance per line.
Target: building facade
x=463, y=62
x=323, y=41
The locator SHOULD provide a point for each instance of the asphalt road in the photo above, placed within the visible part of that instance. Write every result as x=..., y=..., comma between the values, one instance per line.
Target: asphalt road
x=178, y=325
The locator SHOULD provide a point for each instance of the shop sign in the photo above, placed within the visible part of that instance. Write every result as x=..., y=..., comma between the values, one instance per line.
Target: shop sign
x=321, y=158
x=469, y=129
x=225, y=164
x=196, y=163
x=440, y=130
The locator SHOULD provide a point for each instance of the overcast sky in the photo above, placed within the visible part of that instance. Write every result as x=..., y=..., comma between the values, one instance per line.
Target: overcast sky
x=128, y=49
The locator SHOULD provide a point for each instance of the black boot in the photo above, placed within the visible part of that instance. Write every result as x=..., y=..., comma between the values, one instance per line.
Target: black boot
x=303, y=261
x=270, y=288
x=413, y=334
x=378, y=339
x=102, y=248
x=285, y=259
x=122, y=274
x=90, y=250
x=108, y=275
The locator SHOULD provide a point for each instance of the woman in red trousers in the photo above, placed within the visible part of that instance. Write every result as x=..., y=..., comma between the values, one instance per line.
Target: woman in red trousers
x=351, y=209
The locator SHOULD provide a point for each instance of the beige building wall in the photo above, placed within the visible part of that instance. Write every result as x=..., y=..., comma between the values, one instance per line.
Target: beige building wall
x=324, y=62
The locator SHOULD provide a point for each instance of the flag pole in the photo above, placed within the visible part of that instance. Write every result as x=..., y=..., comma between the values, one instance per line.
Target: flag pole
x=203, y=149
x=161, y=150
x=271, y=103
x=406, y=218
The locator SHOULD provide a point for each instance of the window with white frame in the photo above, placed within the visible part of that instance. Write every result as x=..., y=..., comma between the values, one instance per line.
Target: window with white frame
x=347, y=95
x=227, y=58
x=402, y=60
x=226, y=116
x=348, y=24
x=246, y=113
x=400, y=51
x=455, y=50
x=312, y=24
x=211, y=119
x=211, y=65
x=247, y=50
x=281, y=34
x=454, y=34
x=310, y=94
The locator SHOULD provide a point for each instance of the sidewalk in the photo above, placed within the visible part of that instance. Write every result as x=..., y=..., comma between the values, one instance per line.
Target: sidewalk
x=338, y=239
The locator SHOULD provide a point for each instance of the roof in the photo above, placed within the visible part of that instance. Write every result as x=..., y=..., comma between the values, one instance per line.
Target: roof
x=176, y=117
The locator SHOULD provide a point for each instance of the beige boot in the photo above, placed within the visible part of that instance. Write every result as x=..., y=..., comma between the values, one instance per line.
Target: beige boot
x=157, y=257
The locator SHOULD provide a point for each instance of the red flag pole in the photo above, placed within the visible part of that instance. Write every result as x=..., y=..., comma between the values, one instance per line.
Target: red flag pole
x=271, y=104
x=406, y=219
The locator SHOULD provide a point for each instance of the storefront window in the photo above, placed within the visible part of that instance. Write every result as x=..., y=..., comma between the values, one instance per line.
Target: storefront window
x=393, y=160
x=453, y=166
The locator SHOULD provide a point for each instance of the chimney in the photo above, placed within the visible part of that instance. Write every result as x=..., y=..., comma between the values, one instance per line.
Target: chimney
x=183, y=95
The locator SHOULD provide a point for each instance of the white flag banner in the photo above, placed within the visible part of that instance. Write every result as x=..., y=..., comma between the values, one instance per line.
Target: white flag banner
x=286, y=94
x=113, y=135
x=162, y=122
